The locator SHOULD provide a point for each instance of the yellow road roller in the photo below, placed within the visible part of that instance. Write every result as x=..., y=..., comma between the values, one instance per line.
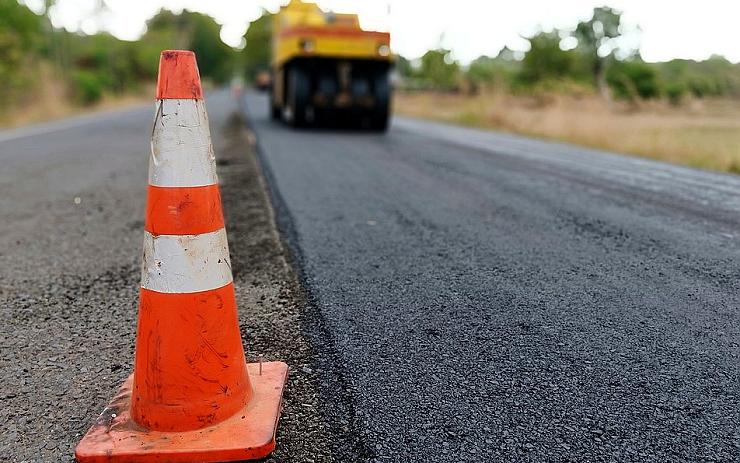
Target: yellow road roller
x=326, y=68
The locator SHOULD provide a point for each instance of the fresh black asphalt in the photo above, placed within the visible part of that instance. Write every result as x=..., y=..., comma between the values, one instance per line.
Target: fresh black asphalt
x=488, y=297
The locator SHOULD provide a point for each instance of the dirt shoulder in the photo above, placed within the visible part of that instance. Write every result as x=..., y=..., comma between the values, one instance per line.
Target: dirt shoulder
x=702, y=133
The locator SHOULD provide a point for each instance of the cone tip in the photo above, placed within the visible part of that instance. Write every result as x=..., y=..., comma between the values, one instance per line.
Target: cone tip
x=178, y=76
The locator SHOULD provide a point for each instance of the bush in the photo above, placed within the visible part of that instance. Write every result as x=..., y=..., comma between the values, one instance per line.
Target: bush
x=199, y=33
x=633, y=79
x=486, y=71
x=545, y=60
x=88, y=87
x=439, y=70
x=675, y=92
x=21, y=36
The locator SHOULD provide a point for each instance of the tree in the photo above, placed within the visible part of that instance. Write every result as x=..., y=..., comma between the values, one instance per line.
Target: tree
x=545, y=60
x=403, y=67
x=715, y=76
x=192, y=31
x=21, y=36
x=596, y=40
x=439, y=69
x=633, y=79
x=489, y=71
x=482, y=70
x=257, y=39
x=215, y=58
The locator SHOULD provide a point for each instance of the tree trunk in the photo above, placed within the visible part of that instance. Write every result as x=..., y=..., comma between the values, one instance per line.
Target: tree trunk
x=600, y=79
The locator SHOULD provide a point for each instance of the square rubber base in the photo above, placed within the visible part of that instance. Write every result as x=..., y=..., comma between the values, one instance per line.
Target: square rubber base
x=249, y=434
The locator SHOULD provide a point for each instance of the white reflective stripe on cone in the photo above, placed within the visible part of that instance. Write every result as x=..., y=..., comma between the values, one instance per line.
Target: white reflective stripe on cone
x=182, y=154
x=186, y=263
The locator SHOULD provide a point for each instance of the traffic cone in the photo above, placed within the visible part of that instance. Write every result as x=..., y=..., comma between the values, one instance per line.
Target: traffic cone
x=192, y=396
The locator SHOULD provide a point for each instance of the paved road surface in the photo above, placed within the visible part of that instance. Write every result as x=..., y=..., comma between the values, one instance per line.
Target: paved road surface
x=488, y=296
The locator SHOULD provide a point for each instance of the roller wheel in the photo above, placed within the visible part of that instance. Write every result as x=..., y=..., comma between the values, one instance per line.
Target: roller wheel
x=274, y=109
x=381, y=113
x=274, y=112
x=299, y=89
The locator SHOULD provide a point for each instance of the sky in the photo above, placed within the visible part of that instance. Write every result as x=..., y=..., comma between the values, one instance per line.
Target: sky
x=470, y=28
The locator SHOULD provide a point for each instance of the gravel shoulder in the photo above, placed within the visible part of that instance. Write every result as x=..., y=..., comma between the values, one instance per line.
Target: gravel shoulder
x=270, y=299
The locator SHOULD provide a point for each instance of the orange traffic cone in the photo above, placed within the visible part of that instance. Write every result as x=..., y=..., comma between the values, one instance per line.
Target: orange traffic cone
x=192, y=396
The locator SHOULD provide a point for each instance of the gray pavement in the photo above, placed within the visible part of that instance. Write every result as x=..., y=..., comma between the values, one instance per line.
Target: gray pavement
x=487, y=297
x=71, y=207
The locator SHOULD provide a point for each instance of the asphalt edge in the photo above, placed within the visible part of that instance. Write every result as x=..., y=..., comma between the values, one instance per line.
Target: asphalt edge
x=341, y=417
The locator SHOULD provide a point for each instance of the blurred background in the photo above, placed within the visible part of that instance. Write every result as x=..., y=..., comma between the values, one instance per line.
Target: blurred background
x=658, y=79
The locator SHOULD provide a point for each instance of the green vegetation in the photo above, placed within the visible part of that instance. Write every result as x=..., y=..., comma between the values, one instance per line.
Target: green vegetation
x=21, y=38
x=190, y=31
x=636, y=79
x=546, y=61
x=595, y=42
x=584, y=59
x=439, y=68
x=486, y=71
x=256, y=54
x=591, y=61
x=91, y=66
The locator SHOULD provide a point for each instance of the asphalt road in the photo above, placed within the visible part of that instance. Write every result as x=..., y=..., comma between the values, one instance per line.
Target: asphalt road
x=487, y=297
x=71, y=209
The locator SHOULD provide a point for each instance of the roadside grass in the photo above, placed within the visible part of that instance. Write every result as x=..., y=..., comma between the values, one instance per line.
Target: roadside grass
x=49, y=99
x=703, y=134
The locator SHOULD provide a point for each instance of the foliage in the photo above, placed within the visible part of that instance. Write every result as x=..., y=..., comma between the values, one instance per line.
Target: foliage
x=93, y=65
x=99, y=64
x=22, y=24
x=197, y=32
x=404, y=67
x=713, y=77
x=596, y=38
x=634, y=79
x=545, y=60
x=88, y=86
x=439, y=69
x=593, y=62
x=112, y=61
x=486, y=71
x=482, y=70
x=21, y=36
x=257, y=39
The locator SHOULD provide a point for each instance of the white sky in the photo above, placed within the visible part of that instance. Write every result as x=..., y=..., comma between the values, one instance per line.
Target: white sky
x=670, y=29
